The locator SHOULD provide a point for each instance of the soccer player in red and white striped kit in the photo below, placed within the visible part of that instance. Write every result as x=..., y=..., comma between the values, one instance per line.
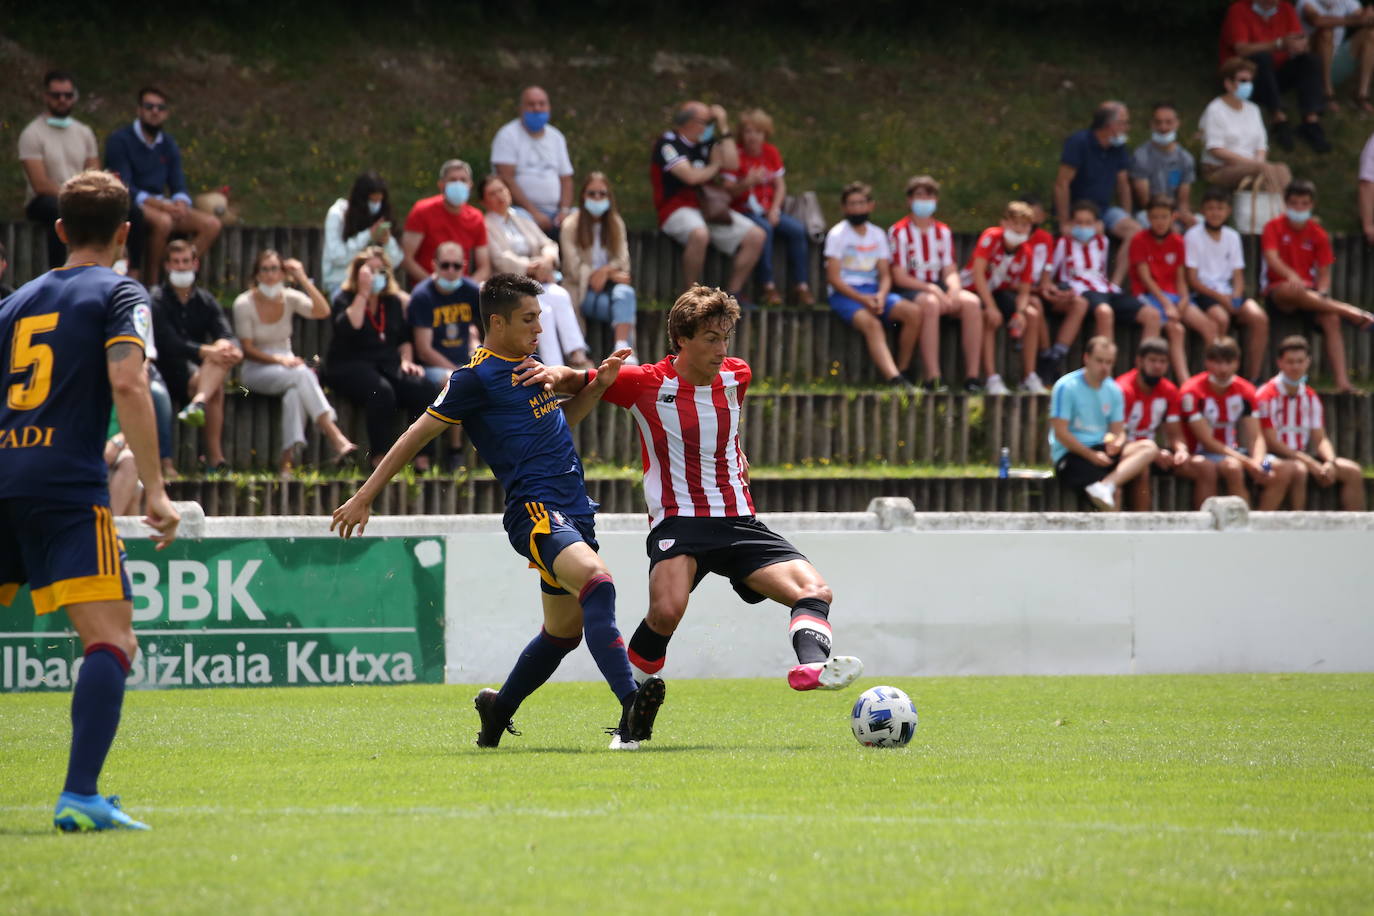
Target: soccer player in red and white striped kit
x=696, y=483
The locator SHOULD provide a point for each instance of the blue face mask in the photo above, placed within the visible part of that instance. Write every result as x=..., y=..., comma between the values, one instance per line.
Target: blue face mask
x=1119, y=140
x=1298, y=383
x=60, y=123
x=446, y=285
x=1244, y=89
x=534, y=121
x=708, y=134
x=922, y=209
x=1164, y=139
x=378, y=282
x=456, y=193
x=1083, y=234
x=597, y=206
x=1297, y=217
x=374, y=207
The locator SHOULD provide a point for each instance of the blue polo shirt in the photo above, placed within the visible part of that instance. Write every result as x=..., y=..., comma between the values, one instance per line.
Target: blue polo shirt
x=1097, y=167
x=1090, y=411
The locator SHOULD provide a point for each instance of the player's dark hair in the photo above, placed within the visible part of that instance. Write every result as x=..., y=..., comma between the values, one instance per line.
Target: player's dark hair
x=922, y=183
x=1218, y=194
x=146, y=91
x=1088, y=205
x=1154, y=109
x=58, y=76
x=1160, y=201
x=502, y=295
x=1235, y=66
x=1153, y=346
x=1294, y=342
x=1223, y=350
x=265, y=255
x=92, y=206
x=700, y=305
x=179, y=246
x=1300, y=187
x=856, y=187
x=487, y=181
x=357, y=217
x=1105, y=114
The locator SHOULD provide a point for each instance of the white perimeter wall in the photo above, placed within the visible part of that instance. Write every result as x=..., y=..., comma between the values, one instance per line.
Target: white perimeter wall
x=961, y=594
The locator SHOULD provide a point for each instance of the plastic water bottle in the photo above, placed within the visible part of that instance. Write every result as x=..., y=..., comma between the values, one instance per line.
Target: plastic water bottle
x=1267, y=463
x=1004, y=464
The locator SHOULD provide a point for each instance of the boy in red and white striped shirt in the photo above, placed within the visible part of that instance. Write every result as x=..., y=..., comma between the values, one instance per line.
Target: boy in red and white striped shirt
x=923, y=263
x=1080, y=264
x=1290, y=415
x=687, y=407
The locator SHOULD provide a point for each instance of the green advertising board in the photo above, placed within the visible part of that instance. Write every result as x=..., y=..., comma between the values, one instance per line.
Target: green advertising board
x=269, y=612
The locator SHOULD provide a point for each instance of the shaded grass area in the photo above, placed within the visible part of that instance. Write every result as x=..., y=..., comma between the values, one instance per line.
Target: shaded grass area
x=1213, y=794
x=289, y=111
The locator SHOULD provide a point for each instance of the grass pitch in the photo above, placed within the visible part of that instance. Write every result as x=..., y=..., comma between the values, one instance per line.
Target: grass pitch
x=1219, y=794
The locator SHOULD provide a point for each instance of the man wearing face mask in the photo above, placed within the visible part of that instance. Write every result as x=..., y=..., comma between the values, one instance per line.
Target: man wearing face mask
x=1095, y=166
x=148, y=161
x=1290, y=415
x=1296, y=275
x=1163, y=166
x=446, y=217
x=196, y=348
x=1270, y=34
x=52, y=148
x=442, y=315
x=532, y=156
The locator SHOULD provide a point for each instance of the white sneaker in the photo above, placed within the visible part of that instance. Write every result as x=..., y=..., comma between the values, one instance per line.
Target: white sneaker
x=1033, y=385
x=622, y=744
x=996, y=385
x=1103, y=495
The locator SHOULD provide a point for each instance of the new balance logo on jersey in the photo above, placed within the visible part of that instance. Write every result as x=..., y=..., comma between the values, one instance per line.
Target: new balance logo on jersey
x=667, y=398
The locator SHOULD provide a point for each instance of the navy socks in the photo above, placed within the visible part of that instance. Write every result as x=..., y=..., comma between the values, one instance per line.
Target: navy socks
x=96, y=703
x=603, y=637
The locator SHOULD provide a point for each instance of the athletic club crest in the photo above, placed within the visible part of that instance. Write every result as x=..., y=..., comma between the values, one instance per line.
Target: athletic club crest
x=665, y=543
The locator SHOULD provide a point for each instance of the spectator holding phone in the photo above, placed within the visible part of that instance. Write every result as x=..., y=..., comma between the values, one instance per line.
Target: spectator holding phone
x=354, y=223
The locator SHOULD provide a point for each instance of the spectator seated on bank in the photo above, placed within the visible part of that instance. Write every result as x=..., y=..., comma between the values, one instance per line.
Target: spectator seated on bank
x=596, y=260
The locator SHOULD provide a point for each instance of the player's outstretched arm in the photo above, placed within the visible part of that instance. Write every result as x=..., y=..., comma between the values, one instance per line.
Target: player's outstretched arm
x=354, y=513
x=554, y=379
x=134, y=407
x=576, y=408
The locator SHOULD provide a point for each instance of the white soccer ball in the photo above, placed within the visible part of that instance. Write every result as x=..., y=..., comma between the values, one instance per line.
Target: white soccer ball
x=883, y=717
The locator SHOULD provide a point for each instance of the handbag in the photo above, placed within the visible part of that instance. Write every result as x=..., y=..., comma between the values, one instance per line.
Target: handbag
x=805, y=208
x=1257, y=202
x=714, y=202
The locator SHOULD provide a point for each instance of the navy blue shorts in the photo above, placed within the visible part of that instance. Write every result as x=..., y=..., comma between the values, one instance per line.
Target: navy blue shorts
x=68, y=553
x=540, y=534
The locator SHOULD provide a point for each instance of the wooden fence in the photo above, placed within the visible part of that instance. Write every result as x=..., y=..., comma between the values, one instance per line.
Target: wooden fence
x=482, y=494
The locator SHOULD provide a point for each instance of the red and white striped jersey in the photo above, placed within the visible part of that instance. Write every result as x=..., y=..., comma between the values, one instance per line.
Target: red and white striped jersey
x=1083, y=265
x=689, y=438
x=1146, y=410
x=1292, y=416
x=1223, y=411
x=927, y=253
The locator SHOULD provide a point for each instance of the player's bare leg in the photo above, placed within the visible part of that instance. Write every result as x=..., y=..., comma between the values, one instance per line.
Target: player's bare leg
x=798, y=585
x=1104, y=320
x=1297, y=488
x=1233, y=472
x=1275, y=487
x=910, y=317
x=670, y=588
x=1140, y=493
x=109, y=645
x=1351, y=481
x=1203, y=474
x=1256, y=322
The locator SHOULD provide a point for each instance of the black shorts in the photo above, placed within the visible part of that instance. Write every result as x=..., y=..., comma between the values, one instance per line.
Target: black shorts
x=1123, y=304
x=1078, y=472
x=1006, y=302
x=177, y=375
x=729, y=547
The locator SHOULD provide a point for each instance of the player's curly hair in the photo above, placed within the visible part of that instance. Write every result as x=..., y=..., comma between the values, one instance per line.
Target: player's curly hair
x=700, y=305
x=92, y=206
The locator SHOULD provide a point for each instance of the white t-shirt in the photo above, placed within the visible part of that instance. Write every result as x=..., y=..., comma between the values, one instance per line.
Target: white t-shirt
x=1327, y=8
x=539, y=161
x=599, y=255
x=1240, y=132
x=859, y=251
x=1367, y=160
x=1216, y=260
x=62, y=150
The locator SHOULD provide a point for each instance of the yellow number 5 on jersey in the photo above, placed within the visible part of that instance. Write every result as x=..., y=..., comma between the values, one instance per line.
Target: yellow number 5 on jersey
x=26, y=353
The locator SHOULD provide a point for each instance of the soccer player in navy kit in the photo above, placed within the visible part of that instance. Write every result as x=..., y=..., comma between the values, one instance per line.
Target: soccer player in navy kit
x=524, y=436
x=69, y=346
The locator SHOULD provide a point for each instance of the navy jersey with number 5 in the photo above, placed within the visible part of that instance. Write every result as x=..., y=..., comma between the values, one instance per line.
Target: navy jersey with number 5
x=54, y=385
x=519, y=431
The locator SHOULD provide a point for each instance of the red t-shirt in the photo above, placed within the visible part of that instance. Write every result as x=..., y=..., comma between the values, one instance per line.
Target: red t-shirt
x=1223, y=412
x=1243, y=24
x=437, y=225
x=1146, y=410
x=1006, y=269
x=1304, y=250
x=770, y=160
x=1165, y=257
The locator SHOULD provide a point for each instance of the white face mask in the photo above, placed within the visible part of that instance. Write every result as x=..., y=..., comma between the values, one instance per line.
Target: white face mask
x=1014, y=238
x=181, y=279
x=271, y=290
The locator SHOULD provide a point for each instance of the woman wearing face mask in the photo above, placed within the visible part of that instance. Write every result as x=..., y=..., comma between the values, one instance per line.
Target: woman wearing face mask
x=354, y=223
x=262, y=320
x=518, y=246
x=370, y=359
x=759, y=189
x=1234, y=140
x=596, y=260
